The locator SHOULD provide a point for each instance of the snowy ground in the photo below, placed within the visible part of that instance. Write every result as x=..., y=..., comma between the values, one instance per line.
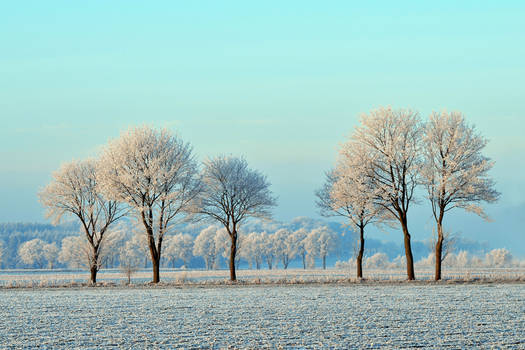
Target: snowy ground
x=50, y=278
x=292, y=316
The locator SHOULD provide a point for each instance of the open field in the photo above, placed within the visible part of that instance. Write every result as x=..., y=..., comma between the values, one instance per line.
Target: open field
x=54, y=278
x=291, y=316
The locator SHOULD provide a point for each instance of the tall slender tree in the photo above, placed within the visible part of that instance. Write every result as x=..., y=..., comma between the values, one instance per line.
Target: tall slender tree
x=232, y=193
x=349, y=192
x=392, y=140
x=455, y=171
x=75, y=191
x=154, y=172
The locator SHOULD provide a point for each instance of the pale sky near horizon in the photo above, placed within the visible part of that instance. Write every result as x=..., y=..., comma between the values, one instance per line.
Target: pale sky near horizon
x=281, y=83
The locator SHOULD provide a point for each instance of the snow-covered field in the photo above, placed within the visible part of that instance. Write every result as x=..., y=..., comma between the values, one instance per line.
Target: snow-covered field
x=50, y=278
x=292, y=316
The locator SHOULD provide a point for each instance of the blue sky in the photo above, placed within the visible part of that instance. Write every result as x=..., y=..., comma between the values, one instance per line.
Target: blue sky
x=281, y=83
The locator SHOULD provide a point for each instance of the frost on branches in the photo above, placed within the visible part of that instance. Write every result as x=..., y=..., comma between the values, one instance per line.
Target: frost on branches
x=391, y=142
x=455, y=172
x=350, y=192
x=155, y=173
x=75, y=191
x=232, y=193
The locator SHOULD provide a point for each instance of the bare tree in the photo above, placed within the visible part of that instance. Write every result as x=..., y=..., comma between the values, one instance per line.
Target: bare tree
x=455, y=171
x=75, y=191
x=392, y=140
x=232, y=193
x=155, y=173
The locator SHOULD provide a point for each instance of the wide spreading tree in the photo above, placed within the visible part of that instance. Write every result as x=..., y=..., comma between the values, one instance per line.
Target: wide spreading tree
x=155, y=174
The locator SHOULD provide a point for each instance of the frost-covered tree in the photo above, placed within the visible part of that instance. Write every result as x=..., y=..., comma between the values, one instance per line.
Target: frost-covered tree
x=77, y=251
x=319, y=243
x=75, y=192
x=223, y=245
x=32, y=252
x=204, y=246
x=284, y=245
x=392, y=141
x=299, y=239
x=500, y=257
x=455, y=171
x=253, y=250
x=350, y=192
x=154, y=172
x=74, y=252
x=268, y=248
x=180, y=247
x=232, y=193
x=50, y=253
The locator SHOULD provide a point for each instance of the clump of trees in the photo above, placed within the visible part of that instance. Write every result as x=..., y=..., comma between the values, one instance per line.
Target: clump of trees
x=153, y=176
x=389, y=155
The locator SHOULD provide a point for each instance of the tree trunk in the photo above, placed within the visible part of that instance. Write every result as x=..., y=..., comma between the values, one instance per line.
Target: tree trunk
x=304, y=261
x=324, y=262
x=233, y=252
x=439, y=251
x=359, y=259
x=93, y=277
x=156, y=269
x=269, y=262
x=408, y=251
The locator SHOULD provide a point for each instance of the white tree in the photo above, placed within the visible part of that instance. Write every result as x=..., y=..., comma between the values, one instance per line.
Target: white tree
x=268, y=248
x=350, y=192
x=75, y=191
x=232, y=193
x=204, y=246
x=155, y=173
x=253, y=250
x=32, y=252
x=500, y=257
x=285, y=246
x=392, y=140
x=299, y=239
x=180, y=247
x=131, y=255
x=77, y=252
x=455, y=171
x=50, y=253
x=327, y=243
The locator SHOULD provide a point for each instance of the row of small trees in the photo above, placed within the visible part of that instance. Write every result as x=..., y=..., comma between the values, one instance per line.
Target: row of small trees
x=211, y=244
x=153, y=176
x=389, y=156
